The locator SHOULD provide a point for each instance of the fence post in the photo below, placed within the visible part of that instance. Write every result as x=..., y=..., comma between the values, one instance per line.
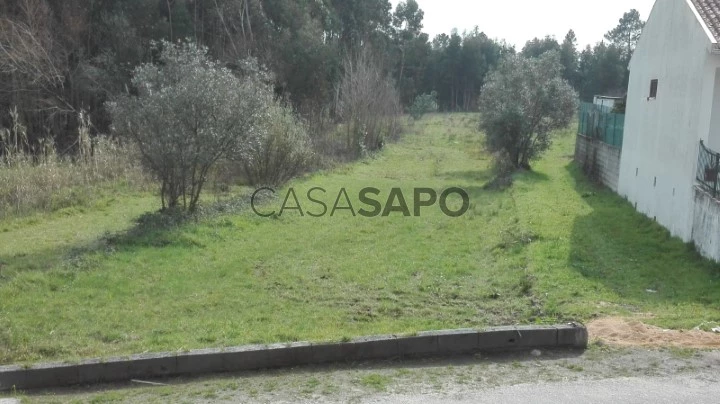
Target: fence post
x=579, y=119
x=615, y=130
x=715, y=173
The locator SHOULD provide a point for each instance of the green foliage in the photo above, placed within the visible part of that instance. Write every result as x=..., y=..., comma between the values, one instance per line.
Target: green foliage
x=457, y=66
x=547, y=252
x=189, y=112
x=524, y=101
x=568, y=53
x=359, y=22
x=603, y=71
x=411, y=46
x=536, y=47
x=301, y=41
x=424, y=104
x=627, y=33
x=407, y=19
x=599, y=69
x=569, y=58
x=283, y=149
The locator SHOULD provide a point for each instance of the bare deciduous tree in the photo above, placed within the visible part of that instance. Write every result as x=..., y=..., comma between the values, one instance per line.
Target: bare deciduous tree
x=368, y=103
x=28, y=48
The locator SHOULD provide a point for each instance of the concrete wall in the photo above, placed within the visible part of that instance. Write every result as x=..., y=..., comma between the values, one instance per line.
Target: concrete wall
x=606, y=159
x=659, y=157
x=706, y=225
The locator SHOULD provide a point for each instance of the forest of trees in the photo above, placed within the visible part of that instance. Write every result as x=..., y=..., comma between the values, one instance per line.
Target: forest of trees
x=58, y=58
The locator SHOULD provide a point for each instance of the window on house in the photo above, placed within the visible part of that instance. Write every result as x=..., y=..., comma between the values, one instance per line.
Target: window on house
x=653, y=88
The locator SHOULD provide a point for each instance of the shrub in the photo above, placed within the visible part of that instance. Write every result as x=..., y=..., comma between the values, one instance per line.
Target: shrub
x=368, y=104
x=522, y=103
x=189, y=112
x=423, y=104
x=282, y=151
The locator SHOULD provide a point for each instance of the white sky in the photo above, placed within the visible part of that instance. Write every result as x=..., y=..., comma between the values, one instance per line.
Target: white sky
x=517, y=21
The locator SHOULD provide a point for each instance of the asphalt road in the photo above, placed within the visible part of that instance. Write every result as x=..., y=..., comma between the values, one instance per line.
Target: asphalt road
x=611, y=391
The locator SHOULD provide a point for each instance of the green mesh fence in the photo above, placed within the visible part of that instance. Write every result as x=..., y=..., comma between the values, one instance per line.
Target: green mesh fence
x=601, y=123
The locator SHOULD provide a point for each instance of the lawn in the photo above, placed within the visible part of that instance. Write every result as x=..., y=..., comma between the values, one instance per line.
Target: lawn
x=552, y=248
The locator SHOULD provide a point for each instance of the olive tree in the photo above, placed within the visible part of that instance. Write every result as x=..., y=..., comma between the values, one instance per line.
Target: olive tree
x=186, y=113
x=523, y=101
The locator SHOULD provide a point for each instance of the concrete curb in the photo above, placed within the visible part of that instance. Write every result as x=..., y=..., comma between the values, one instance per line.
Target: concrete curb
x=256, y=357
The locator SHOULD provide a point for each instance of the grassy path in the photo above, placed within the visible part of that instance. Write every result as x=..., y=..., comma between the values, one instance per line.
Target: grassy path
x=553, y=248
x=596, y=255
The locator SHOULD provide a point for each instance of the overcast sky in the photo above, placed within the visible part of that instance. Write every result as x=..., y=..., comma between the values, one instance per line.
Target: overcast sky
x=519, y=20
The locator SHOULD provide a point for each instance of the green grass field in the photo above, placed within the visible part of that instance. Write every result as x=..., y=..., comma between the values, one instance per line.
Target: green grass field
x=552, y=248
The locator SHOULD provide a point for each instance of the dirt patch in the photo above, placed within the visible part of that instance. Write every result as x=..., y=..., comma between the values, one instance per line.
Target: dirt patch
x=629, y=332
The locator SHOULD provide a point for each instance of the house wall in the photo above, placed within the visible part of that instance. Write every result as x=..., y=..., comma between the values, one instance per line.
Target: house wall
x=706, y=225
x=659, y=157
x=713, y=132
x=606, y=159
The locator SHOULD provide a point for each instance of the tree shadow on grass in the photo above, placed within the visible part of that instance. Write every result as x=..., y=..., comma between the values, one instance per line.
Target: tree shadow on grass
x=487, y=176
x=473, y=176
x=152, y=230
x=73, y=257
x=635, y=257
x=531, y=176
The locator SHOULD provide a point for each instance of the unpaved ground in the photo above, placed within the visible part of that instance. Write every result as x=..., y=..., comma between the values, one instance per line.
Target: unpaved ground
x=388, y=381
x=632, y=332
x=626, y=390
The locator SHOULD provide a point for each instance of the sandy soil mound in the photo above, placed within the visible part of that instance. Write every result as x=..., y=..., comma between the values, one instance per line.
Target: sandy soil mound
x=628, y=332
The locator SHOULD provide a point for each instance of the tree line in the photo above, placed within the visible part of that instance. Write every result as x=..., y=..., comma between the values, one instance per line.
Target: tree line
x=60, y=60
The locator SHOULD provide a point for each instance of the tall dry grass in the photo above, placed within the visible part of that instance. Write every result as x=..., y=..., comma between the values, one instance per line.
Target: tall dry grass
x=30, y=184
x=38, y=179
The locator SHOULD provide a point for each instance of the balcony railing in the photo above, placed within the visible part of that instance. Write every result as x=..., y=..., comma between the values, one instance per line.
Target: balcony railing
x=708, y=169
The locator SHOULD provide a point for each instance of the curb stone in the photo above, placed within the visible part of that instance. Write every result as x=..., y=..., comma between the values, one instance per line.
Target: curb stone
x=257, y=357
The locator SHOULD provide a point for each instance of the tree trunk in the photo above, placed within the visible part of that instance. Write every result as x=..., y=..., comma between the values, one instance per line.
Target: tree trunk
x=170, y=19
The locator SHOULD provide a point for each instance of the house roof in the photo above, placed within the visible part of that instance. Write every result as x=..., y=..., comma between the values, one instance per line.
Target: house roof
x=709, y=11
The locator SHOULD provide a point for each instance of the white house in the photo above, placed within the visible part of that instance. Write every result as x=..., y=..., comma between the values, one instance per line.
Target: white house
x=673, y=103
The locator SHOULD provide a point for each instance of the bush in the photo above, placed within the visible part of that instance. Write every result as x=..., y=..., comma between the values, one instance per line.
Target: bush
x=368, y=104
x=189, y=112
x=423, y=104
x=282, y=151
x=522, y=103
